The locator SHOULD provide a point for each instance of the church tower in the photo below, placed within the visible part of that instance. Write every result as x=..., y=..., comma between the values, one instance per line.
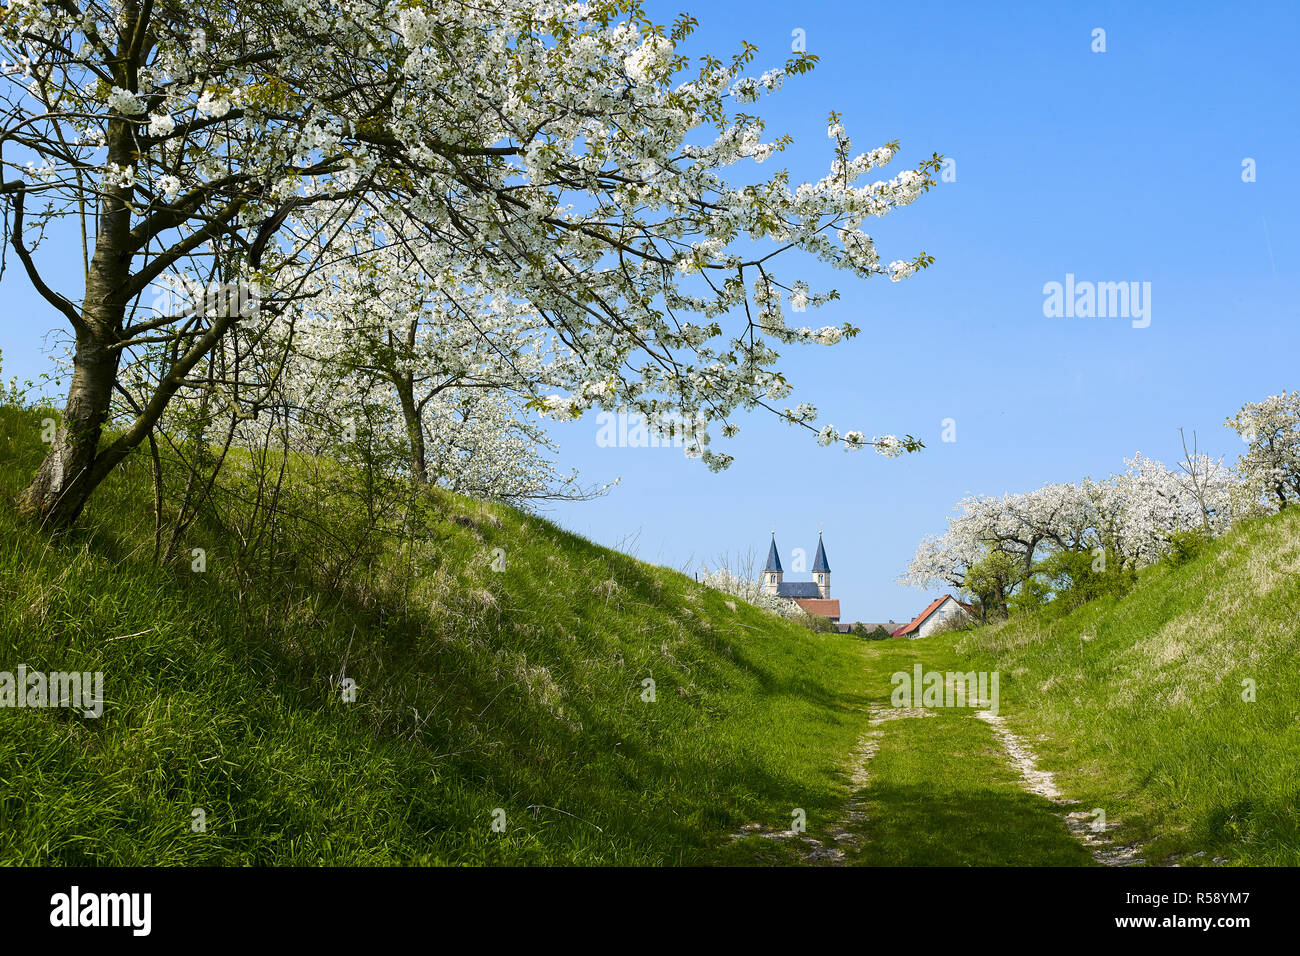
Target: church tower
x=821, y=569
x=772, y=574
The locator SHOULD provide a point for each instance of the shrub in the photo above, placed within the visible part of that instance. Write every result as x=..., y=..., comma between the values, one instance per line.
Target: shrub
x=877, y=633
x=1068, y=579
x=1185, y=545
x=815, y=622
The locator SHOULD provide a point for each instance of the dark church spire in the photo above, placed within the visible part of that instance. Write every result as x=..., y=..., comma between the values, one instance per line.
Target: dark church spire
x=819, y=563
x=773, y=559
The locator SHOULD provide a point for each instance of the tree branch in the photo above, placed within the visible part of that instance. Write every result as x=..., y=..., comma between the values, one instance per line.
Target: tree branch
x=59, y=302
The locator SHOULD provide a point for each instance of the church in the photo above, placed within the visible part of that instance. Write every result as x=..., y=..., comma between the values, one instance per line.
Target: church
x=813, y=596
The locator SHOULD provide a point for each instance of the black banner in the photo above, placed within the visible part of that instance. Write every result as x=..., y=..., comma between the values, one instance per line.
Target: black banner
x=337, y=906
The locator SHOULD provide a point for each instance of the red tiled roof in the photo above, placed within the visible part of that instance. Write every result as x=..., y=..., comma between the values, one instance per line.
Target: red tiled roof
x=929, y=609
x=824, y=607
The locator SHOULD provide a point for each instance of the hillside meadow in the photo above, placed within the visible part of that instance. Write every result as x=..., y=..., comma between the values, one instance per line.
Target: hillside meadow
x=286, y=687
x=1176, y=707
x=517, y=697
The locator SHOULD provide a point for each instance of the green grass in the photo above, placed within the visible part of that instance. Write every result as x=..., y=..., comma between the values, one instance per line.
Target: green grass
x=477, y=690
x=940, y=790
x=1140, y=699
x=522, y=691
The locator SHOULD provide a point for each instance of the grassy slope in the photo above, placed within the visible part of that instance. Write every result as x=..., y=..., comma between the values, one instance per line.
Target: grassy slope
x=477, y=690
x=1140, y=699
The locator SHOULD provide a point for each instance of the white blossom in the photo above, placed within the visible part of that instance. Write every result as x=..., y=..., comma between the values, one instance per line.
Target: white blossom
x=891, y=446
x=125, y=102
x=120, y=176
x=214, y=105
x=170, y=187
x=161, y=124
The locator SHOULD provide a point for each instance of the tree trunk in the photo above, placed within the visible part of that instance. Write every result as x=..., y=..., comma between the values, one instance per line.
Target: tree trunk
x=74, y=466
x=405, y=387
x=72, y=469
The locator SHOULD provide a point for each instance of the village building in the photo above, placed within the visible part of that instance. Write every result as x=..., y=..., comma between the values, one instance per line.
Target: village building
x=940, y=614
x=813, y=596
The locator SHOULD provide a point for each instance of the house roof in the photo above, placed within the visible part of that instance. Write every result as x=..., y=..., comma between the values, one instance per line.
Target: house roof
x=929, y=609
x=819, y=563
x=773, y=559
x=798, y=589
x=824, y=607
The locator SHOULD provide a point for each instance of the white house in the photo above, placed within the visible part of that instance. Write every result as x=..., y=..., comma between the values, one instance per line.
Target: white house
x=939, y=615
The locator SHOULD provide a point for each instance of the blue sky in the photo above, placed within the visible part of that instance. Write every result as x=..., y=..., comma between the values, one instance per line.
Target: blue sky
x=1116, y=166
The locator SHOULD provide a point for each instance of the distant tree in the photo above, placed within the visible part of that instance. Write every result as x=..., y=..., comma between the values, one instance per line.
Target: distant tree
x=1271, y=464
x=1198, y=475
x=1127, y=519
x=873, y=634
x=744, y=585
x=991, y=580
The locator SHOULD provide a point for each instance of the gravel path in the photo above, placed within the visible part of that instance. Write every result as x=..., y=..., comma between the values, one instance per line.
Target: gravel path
x=1082, y=824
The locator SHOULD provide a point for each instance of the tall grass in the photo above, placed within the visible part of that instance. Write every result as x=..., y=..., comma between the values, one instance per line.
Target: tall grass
x=482, y=695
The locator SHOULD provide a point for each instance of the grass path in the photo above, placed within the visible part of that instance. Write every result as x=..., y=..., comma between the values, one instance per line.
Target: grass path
x=932, y=787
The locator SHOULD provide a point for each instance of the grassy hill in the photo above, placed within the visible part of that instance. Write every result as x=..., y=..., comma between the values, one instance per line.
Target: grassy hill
x=476, y=691
x=501, y=669
x=1137, y=703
